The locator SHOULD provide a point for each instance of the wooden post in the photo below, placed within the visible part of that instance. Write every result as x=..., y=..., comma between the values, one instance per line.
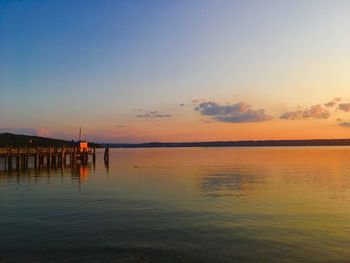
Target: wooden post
x=63, y=156
x=75, y=154
x=9, y=159
x=36, y=157
x=106, y=155
x=70, y=156
x=53, y=156
x=83, y=157
x=9, y=162
x=49, y=157
x=26, y=160
x=23, y=164
x=58, y=157
x=41, y=160
x=6, y=159
x=21, y=160
x=18, y=163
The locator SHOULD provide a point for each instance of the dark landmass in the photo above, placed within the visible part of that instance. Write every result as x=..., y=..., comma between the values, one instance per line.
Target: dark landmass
x=315, y=142
x=16, y=140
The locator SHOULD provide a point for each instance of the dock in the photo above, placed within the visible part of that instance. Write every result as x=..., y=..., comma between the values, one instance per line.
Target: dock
x=19, y=157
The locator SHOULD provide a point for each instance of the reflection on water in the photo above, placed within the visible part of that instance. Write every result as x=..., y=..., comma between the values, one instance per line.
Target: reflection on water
x=78, y=172
x=235, y=182
x=182, y=205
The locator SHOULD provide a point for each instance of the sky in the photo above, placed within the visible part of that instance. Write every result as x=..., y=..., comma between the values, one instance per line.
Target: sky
x=140, y=71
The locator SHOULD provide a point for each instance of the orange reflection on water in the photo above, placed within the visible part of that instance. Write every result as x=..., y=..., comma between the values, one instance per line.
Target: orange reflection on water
x=296, y=196
x=83, y=172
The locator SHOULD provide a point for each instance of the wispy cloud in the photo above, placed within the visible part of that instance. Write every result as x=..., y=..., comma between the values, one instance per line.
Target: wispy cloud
x=234, y=113
x=292, y=115
x=24, y=131
x=332, y=103
x=41, y=132
x=154, y=114
x=206, y=120
x=344, y=107
x=313, y=112
x=345, y=124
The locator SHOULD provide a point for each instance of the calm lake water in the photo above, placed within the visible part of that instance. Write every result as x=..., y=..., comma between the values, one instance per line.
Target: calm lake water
x=182, y=205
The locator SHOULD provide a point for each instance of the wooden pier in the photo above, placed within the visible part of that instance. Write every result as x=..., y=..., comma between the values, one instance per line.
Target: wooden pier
x=18, y=158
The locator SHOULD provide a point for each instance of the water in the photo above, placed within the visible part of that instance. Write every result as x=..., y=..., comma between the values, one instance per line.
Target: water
x=182, y=205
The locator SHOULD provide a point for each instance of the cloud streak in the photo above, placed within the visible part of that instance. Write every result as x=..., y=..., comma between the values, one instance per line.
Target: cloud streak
x=344, y=107
x=314, y=112
x=233, y=113
x=344, y=124
x=41, y=132
x=24, y=131
x=153, y=115
x=332, y=103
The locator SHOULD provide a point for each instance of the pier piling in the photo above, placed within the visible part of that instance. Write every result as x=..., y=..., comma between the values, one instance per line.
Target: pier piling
x=106, y=155
x=24, y=157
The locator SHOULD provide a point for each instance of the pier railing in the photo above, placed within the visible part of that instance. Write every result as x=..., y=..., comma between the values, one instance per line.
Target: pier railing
x=42, y=155
x=33, y=150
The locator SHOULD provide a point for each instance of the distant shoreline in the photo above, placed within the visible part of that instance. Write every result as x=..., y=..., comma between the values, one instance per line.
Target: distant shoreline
x=259, y=143
x=16, y=140
x=20, y=140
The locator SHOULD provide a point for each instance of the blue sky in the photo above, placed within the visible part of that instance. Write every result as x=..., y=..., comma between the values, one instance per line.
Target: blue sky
x=93, y=63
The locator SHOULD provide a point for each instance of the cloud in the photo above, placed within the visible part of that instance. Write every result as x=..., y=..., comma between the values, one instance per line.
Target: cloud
x=313, y=112
x=24, y=131
x=332, y=103
x=292, y=115
x=205, y=120
x=234, y=113
x=42, y=132
x=316, y=112
x=344, y=106
x=344, y=124
x=154, y=114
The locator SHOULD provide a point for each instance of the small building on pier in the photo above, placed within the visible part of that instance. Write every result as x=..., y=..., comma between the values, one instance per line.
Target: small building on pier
x=83, y=146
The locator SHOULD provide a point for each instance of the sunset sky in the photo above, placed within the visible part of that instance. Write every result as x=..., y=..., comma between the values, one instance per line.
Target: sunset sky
x=138, y=71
